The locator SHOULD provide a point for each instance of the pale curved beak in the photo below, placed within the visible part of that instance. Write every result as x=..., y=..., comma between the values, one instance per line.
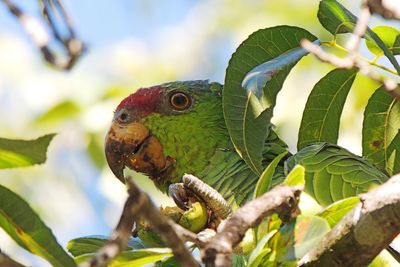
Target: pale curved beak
x=123, y=141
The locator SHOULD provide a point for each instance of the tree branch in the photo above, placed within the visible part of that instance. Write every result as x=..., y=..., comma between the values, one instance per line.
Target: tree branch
x=6, y=261
x=137, y=206
x=282, y=199
x=389, y=9
x=72, y=46
x=364, y=232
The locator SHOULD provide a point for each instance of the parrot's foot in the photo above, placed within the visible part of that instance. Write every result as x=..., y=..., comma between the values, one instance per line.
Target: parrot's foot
x=193, y=190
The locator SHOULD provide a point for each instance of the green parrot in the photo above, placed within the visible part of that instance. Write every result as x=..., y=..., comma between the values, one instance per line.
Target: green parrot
x=175, y=128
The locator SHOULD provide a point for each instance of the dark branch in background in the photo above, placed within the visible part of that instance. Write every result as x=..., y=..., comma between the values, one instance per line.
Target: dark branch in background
x=364, y=232
x=51, y=9
x=353, y=59
x=137, y=206
x=6, y=261
x=389, y=9
x=282, y=199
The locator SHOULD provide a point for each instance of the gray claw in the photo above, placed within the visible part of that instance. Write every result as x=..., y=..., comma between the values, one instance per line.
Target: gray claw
x=178, y=193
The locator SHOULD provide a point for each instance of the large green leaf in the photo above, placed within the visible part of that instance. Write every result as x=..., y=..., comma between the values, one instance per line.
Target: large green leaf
x=19, y=220
x=21, y=153
x=380, y=133
x=91, y=244
x=337, y=210
x=271, y=52
x=321, y=116
x=296, y=176
x=334, y=173
x=61, y=111
x=337, y=19
x=390, y=37
x=134, y=258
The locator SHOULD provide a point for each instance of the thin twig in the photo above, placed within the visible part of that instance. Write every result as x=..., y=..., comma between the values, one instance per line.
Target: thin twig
x=6, y=261
x=73, y=47
x=353, y=43
x=363, y=233
x=350, y=62
x=389, y=9
x=282, y=199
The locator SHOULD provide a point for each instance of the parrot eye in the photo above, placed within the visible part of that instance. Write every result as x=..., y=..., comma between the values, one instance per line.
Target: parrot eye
x=122, y=116
x=180, y=101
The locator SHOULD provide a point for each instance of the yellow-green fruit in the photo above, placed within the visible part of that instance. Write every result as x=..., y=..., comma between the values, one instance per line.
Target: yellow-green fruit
x=195, y=219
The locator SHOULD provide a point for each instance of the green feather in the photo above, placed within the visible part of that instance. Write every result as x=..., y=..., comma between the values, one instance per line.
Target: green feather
x=200, y=143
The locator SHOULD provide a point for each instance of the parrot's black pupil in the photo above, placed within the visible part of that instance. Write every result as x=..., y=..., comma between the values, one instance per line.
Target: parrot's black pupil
x=180, y=101
x=123, y=116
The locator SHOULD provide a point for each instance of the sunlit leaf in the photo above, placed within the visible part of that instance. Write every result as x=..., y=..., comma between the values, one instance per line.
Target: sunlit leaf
x=114, y=92
x=248, y=115
x=337, y=210
x=380, y=133
x=60, y=112
x=91, y=244
x=321, y=115
x=261, y=250
x=21, y=153
x=134, y=258
x=384, y=259
x=300, y=236
x=390, y=37
x=296, y=176
x=21, y=223
x=265, y=181
x=337, y=19
x=95, y=149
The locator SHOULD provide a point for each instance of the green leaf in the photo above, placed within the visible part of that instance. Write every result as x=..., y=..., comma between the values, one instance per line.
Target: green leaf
x=135, y=258
x=337, y=19
x=390, y=37
x=265, y=181
x=95, y=149
x=334, y=173
x=321, y=116
x=299, y=236
x=337, y=210
x=21, y=153
x=21, y=223
x=296, y=176
x=62, y=111
x=91, y=244
x=247, y=115
x=262, y=249
x=380, y=133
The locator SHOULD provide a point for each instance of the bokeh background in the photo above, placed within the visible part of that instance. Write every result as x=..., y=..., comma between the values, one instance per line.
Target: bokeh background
x=131, y=44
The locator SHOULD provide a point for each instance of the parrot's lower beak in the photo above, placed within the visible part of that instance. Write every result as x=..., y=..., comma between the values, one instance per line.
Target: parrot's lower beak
x=133, y=146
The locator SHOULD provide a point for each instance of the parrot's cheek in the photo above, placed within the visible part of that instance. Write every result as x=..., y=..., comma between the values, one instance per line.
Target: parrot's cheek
x=150, y=158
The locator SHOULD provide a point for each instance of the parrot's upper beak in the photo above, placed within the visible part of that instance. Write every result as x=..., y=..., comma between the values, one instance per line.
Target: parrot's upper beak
x=132, y=145
x=123, y=141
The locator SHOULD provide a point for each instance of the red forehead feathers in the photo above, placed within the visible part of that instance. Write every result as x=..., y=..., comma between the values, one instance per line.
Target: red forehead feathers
x=144, y=100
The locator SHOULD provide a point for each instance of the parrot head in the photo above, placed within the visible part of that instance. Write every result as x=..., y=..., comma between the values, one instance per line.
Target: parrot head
x=166, y=130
